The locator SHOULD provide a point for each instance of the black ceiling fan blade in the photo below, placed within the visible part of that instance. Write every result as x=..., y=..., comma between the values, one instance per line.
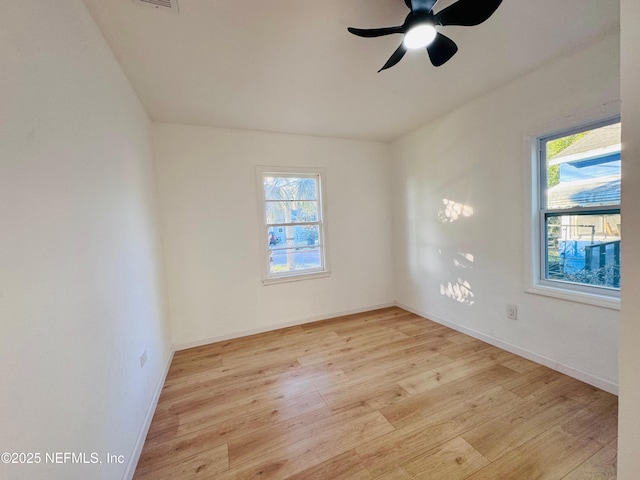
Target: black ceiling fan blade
x=375, y=32
x=467, y=12
x=421, y=5
x=395, y=57
x=441, y=50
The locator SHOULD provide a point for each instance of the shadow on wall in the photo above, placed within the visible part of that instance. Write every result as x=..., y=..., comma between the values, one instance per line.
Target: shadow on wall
x=459, y=289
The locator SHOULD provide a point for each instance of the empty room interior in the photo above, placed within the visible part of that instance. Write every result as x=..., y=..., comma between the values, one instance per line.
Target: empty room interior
x=235, y=243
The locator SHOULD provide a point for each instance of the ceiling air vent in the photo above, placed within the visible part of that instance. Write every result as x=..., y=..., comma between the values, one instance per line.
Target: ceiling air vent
x=167, y=5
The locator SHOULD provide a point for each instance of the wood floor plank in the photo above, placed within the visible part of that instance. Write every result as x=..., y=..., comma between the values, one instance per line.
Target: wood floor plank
x=379, y=390
x=404, y=444
x=346, y=466
x=374, y=393
x=437, y=377
x=456, y=349
x=217, y=380
x=597, y=421
x=516, y=426
x=538, y=382
x=561, y=452
x=282, y=434
x=231, y=425
x=202, y=465
x=294, y=458
x=383, y=394
x=454, y=460
x=216, y=414
x=181, y=451
x=397, y=473
x=346, y=323
x=459, y=392
x=292, y=384
x=411, y=354
x=601, y=466
x=405, y=362
x=520, y=365
x=349, y=345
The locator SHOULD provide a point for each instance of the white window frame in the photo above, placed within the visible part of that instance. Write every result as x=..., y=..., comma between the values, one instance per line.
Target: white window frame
x=319, y=173
x=535, y=178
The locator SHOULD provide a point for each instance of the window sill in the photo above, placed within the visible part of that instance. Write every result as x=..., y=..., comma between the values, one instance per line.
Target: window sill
x=295, y=277
x=605, y=301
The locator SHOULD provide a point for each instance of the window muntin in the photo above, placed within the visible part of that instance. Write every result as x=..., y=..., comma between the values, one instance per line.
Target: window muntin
x=284, y=211
x=580, y=223
x=293, y=224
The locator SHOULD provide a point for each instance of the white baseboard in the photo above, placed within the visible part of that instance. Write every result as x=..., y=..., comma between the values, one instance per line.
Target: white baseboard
x=594, y=380
x=137, y=448
x=294, y=323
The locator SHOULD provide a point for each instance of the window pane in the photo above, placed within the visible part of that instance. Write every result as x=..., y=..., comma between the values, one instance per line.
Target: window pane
x=293, y=236
x=584, y=249
x=293, y=219
x=583, y=169
x=290, y=188
x=294, y=260
x=291, y=211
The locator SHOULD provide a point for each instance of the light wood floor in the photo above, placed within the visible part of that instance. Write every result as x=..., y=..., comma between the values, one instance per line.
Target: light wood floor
x=386, y=395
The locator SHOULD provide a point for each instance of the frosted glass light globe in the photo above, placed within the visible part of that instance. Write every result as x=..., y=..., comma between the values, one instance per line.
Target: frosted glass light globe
x=419, y=36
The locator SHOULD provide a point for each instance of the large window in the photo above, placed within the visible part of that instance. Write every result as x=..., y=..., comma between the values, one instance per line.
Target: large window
x=293, y=231
x=579, y=209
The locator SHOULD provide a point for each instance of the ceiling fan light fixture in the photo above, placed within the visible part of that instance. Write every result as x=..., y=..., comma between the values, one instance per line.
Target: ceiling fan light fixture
x=419, y=27
x=419, y=36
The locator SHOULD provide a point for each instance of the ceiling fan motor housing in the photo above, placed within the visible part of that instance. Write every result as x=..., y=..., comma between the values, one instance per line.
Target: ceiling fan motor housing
x=418, y=18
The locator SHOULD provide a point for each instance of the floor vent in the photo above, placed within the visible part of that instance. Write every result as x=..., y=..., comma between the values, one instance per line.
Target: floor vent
x=168, y=5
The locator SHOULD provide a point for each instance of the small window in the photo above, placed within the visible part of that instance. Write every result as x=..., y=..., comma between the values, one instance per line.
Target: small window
x=579, y=213
x=293, y=224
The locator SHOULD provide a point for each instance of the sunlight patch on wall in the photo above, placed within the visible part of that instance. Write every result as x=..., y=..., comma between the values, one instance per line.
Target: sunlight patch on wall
x=452, y=211
x=460, y=291
x=467, y=256
x=467, y=259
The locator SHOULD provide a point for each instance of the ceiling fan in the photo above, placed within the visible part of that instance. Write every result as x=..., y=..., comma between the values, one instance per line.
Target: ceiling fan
x=419, y=28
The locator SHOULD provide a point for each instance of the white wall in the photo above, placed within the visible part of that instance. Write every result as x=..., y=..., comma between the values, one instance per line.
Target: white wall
x=80, y=289
x=80, y=286
x=629, y=406
x=211, y=233
x=465, y=271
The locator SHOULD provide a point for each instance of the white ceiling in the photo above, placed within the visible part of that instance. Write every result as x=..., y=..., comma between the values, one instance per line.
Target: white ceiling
x=291, y=66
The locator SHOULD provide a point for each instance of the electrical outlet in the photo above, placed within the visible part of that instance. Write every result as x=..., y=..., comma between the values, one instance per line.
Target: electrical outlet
x=143, y=359
x=512, y=312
